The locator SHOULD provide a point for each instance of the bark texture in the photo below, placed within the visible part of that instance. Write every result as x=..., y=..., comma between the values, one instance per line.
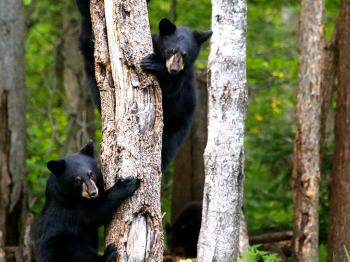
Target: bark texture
x=306, y=163
x=80, y=108
x=12, y=130
x=223, y=157
x=338, y=240
x=131, y=125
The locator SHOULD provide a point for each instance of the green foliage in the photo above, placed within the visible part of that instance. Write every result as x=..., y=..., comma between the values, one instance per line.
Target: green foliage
x=272, y=71
x=254, y=255
x=46, y=119
x=322, y=253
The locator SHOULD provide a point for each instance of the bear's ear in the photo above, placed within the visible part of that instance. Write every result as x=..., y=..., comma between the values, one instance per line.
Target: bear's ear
x=56, y=166
x=88, y=149
x=166, y=27
x=201, y=37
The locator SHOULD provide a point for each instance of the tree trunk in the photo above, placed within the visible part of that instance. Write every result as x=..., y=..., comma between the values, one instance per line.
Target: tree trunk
x=80, y=108
x=306, y=162
x=12, y=130
x=243, y=235
x=173, y=10
x=131, y=125
x=339, y=241
x=223, y=157
x=329, y=74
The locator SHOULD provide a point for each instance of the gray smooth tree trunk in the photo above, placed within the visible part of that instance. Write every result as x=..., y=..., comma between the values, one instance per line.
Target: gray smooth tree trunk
x=224, y=153
x=12, y=130
x=306, y=162
x=131, y=125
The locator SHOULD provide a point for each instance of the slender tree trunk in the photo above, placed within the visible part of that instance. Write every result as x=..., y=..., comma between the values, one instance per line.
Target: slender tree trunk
x=131, y=125
x=80, y=108
x=339, y=232
x=329, y=74
x=12, y=131
x=306, y=163
x=173, y=10
x=224, y=153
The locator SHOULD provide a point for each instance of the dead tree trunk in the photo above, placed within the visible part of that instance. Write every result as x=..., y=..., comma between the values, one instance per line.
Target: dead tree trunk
x=223, y=157
x=80, y=108
x=131, y=125
x=339, y=241
x=306, y=163
x=12, y=131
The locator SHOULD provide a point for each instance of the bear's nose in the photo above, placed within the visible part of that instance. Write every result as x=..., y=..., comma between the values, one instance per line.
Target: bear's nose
x=174, y=71
x=93, y=194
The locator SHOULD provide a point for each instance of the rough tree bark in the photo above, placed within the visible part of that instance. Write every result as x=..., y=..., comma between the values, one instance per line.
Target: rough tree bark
x=223, y=157
x=306, y=162
x=80, y=108
x=338, y=240
x=131, y=125
x=12, y=131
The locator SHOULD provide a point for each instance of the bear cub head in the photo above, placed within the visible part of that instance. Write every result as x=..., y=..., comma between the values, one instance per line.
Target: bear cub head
x=178, y=46
x=78, y=174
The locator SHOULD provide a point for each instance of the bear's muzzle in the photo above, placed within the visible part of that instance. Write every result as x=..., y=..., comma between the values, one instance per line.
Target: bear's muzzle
x=89, y=189
x=175, y=64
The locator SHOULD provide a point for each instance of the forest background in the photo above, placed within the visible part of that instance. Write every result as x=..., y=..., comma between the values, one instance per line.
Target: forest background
x=272, y=81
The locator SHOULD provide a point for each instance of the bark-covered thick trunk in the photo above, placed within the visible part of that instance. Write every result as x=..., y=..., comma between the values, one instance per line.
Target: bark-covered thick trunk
x=224, y=153
x=131, y=125
x=339, y=231
x=306, y=163
x=80, y=108
x=12, y=130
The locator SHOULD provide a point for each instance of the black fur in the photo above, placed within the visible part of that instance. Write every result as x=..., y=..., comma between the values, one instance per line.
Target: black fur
x=184, y=231
x=87, y=50
x=178, y=86
x=68, y=226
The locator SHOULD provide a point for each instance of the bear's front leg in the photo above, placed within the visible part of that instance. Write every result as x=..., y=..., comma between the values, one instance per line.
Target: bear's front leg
x=112, y=199
x=154, y=65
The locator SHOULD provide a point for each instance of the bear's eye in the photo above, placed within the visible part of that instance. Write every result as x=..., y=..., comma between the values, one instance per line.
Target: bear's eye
x=184, y=54
x=91, y=175
x=180, y=38
x=77, y=180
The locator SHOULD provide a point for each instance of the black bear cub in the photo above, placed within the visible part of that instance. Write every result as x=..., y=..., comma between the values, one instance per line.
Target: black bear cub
x=183, y=232
x=76, y=205
x=175, y=52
